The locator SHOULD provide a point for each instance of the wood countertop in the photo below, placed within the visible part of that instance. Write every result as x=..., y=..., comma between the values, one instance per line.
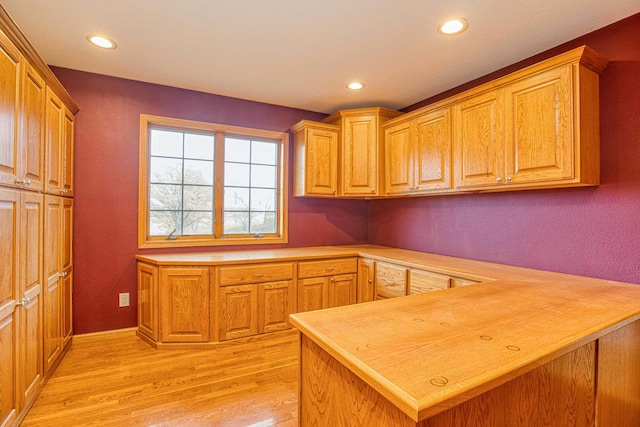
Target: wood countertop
x=427, y=353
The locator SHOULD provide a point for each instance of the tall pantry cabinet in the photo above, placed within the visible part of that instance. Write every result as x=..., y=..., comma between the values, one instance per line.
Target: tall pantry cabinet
x=36, y=219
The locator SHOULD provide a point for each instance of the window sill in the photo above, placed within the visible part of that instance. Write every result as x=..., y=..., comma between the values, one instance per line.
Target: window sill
x=182, y=243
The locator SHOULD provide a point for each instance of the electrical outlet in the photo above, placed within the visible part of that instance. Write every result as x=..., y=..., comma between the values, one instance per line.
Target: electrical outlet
x=124, y=299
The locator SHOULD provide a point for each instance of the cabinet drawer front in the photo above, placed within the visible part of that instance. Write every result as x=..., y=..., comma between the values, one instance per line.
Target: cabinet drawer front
x=391, y=281
x=421, y=281
x=257, y=273
x=327, y=267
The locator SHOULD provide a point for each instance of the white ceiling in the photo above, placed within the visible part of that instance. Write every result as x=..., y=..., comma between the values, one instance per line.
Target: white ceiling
x=302, y=53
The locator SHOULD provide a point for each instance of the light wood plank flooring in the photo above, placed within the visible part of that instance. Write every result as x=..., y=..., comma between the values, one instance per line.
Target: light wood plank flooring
x=115, y=379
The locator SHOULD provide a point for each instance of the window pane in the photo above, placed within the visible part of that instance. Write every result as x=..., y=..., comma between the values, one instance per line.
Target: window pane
x=198, y=172
x=165, y=197
x=264, y=152
x=197, y=223
x=236, y=222
x=237, y=150
x=198, y=146
x=197, y=198
x=263, y=200
x=263, y=222
x=166, y=170
x=263, y=176
x=236, y=199
x=166, y=143
x=161, y=223
x=236, y=175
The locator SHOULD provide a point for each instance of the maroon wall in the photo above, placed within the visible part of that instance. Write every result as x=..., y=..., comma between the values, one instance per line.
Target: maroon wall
x=106, y=186
x=586, y=231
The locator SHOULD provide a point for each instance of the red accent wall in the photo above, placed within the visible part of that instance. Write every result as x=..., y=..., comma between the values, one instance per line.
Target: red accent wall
x=106, y=186
x=586, y=231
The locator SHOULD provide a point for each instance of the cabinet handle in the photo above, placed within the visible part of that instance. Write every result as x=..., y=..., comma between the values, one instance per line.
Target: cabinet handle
x=329, y=268
x=21, y=181
x=498, y=179
x=256, y=275
x=24, y=302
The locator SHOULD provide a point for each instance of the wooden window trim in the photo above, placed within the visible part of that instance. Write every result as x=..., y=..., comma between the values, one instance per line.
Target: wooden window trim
x=146, y=241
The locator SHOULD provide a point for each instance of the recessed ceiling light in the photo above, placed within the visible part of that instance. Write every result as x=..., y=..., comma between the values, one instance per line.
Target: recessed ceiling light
x=453, y=26
x=101, y=41
x=355, y=85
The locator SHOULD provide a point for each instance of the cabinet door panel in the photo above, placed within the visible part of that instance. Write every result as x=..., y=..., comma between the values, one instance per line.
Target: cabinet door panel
x=239, y=311
x=68, y=122
x=433, y=147
x=391, y=281
x=148, y=300
x=8, y=398
x=53, y=151
x=342, y=290
x=52, y=341
x=360, y=155
x=312, y=294
x=10, y=60
x=479, y=139
x=276, y=302
x=540, y=134
x=421, y=281
x=322, y=162
x=184, y=310
x=32, y=129
x=366, y=275
x=399, y=169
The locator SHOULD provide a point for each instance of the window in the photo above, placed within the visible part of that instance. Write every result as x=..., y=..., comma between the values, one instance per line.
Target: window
x=205, y=184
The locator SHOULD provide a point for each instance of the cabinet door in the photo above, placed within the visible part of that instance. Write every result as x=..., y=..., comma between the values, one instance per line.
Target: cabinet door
x=184, y=310
x=239, y=311
x=360, y=155
x=479, y=141
x=10, y=60
x=30, y=372
x=342, y=290
x=148, y=300
x=52, y=340
x=391, y=281
x=540, y=133
x=32, y=129
x=321, y=168
x=399, y=158
x=312, y=294
x=53, y=150
x=366, y=276
x=9, y=262
x=68, y=122
x=421, y=281
x=275, y=302
x=66, y=291
x=433, y=151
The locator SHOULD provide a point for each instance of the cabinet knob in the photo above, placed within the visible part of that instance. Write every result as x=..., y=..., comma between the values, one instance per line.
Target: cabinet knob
x=333, y=191
x=256, y=275
x=21, y=181
x=330, y=268
x=508, y=178
x=24, y=302
x=498, y=179
x=370, y=281
x=27, y=181
x=64, y=274
x=373, y=190
x=333, y=280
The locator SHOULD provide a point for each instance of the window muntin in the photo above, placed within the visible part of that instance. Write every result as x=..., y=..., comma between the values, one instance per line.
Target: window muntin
x=206, y=184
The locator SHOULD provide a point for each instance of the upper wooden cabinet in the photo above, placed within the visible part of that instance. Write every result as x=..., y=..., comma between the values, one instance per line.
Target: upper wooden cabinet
x=315, y=152
x=354, y=166
x=10, y=69
x=32, y=129
x=361, y=150
x=418, y=153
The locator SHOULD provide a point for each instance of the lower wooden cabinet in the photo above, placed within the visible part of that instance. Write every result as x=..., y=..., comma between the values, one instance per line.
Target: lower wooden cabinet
x=275, y=302
x=148, y=308
x=184, y=304
x=325, y=292
x=366, y=275
x=391, y=281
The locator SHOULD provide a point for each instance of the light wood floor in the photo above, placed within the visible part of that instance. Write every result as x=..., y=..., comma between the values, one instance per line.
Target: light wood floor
x=115, y=379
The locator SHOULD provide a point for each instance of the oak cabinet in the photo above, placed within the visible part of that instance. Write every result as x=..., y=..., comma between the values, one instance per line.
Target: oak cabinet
x=32, y=130
x=326, y=283
x=361, y=148
x=315, y=159
x=66, y=289
x=54, y=144
x=255, y=299
x=391, y=281
x=418, y=153
x=52, y=339
x=184, y=304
